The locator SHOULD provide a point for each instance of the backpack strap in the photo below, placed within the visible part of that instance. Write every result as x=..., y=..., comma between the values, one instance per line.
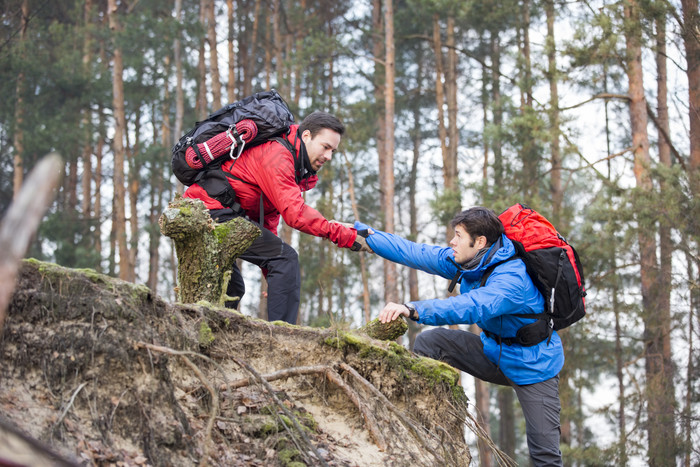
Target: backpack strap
x=530, y=334
x=295, y=157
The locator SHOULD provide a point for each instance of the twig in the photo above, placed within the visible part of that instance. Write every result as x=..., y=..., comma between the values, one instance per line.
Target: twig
x=68, y=406
x=281, y=374
x=478, y=430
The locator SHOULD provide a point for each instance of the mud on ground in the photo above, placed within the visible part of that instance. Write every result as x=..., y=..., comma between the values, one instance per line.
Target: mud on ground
x=102, y=372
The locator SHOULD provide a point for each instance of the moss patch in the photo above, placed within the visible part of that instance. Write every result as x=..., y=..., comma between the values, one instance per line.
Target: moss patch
x=206, y=335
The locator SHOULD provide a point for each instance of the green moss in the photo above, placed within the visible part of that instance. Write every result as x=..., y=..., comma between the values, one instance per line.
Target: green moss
x=435, y=372
x=283, y=324
x=288, y=456
x=401, y=360
x=343, y=339
x=94, y=276
x=185, y=210
x=206, y=336
x=222, y=231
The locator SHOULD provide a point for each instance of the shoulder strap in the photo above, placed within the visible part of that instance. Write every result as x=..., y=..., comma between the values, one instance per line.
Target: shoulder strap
x=489, y=270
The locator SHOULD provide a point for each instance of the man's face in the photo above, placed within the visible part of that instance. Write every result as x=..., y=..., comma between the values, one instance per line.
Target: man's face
x=321, y=147
x=464, y=246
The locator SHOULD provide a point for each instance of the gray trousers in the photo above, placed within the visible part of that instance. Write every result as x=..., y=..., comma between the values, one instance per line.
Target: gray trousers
x=540, y=401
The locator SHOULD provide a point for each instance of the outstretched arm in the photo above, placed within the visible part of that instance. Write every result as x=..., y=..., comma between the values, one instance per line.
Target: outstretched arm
x=428, y=258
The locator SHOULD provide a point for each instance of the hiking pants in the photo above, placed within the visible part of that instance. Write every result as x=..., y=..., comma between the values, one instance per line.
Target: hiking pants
x=540, y=401
x=280, y=264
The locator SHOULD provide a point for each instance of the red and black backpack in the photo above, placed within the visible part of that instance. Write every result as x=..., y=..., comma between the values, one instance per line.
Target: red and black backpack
x=225, y=134
x=554, y=267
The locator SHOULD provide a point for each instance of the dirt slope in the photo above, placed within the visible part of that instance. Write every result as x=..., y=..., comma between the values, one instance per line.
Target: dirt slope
x=102, y=372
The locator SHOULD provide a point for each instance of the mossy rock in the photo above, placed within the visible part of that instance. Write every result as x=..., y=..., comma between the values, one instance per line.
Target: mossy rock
x=385, y=331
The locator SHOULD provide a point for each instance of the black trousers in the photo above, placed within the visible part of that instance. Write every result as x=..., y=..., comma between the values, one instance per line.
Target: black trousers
x=540, y=401
x=280, y=264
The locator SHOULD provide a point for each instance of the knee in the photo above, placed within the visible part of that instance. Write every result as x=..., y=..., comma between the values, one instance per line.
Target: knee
x=424, y=344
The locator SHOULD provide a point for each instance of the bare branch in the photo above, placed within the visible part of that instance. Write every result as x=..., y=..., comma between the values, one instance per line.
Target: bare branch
x=22, y=220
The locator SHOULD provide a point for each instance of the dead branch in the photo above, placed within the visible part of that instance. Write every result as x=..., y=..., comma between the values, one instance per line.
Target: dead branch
x=370, y=421
x=21, y=221
x=22, y=443
x=281, y=374
x=501, y=457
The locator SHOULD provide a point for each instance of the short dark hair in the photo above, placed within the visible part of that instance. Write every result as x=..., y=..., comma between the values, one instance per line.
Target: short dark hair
x=317, y=121
x=478, y=221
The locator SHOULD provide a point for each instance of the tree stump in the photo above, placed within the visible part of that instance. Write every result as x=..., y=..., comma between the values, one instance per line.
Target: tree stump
x=206, y=250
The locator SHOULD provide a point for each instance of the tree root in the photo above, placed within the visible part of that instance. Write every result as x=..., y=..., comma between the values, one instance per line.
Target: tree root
x=214, y=412
x=270, y=390
x=331, y=374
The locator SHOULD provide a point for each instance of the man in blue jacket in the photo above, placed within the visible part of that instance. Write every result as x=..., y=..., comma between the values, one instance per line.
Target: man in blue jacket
x=493, y=356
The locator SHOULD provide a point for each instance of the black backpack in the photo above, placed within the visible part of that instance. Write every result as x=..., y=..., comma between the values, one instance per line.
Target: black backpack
x=555, y=269
x=224, y=135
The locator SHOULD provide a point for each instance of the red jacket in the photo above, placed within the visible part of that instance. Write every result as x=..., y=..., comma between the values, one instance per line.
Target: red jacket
x=269, y=168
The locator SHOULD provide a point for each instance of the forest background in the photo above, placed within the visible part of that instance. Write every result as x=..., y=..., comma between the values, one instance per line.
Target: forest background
x=587, y=111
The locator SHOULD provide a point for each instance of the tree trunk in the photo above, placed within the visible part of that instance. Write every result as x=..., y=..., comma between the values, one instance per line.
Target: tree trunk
x=451, y=88
x=205, y=250
x=86, y=156
x=97, y=204
x=118, y=144
x=659, y=371
x=485, y=123
x=134, y=184
x=252, y=42
x=498, y=168
x=690, y=394
x=213, y=55
x=363, y=259
x=506, y=423
x=179, y=91
x=413, y=292
x=440, y=101
x=201, y=108
x=278, y=41
x=556, y=188
x=390, y=283
x=231, y=83
x=18, y=137
x=529, y=154
x=691, y=39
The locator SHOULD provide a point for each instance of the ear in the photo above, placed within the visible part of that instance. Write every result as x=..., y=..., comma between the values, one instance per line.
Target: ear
x=481, y=242
x=306, y=136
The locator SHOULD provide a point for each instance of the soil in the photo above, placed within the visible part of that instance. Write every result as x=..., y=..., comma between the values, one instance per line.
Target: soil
x=97, y=371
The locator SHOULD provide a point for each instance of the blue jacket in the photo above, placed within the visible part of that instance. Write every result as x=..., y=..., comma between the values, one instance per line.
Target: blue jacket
x=507, y=291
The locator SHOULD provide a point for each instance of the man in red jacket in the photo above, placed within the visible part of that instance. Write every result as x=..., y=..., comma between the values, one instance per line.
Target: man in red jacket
x=268, y=181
